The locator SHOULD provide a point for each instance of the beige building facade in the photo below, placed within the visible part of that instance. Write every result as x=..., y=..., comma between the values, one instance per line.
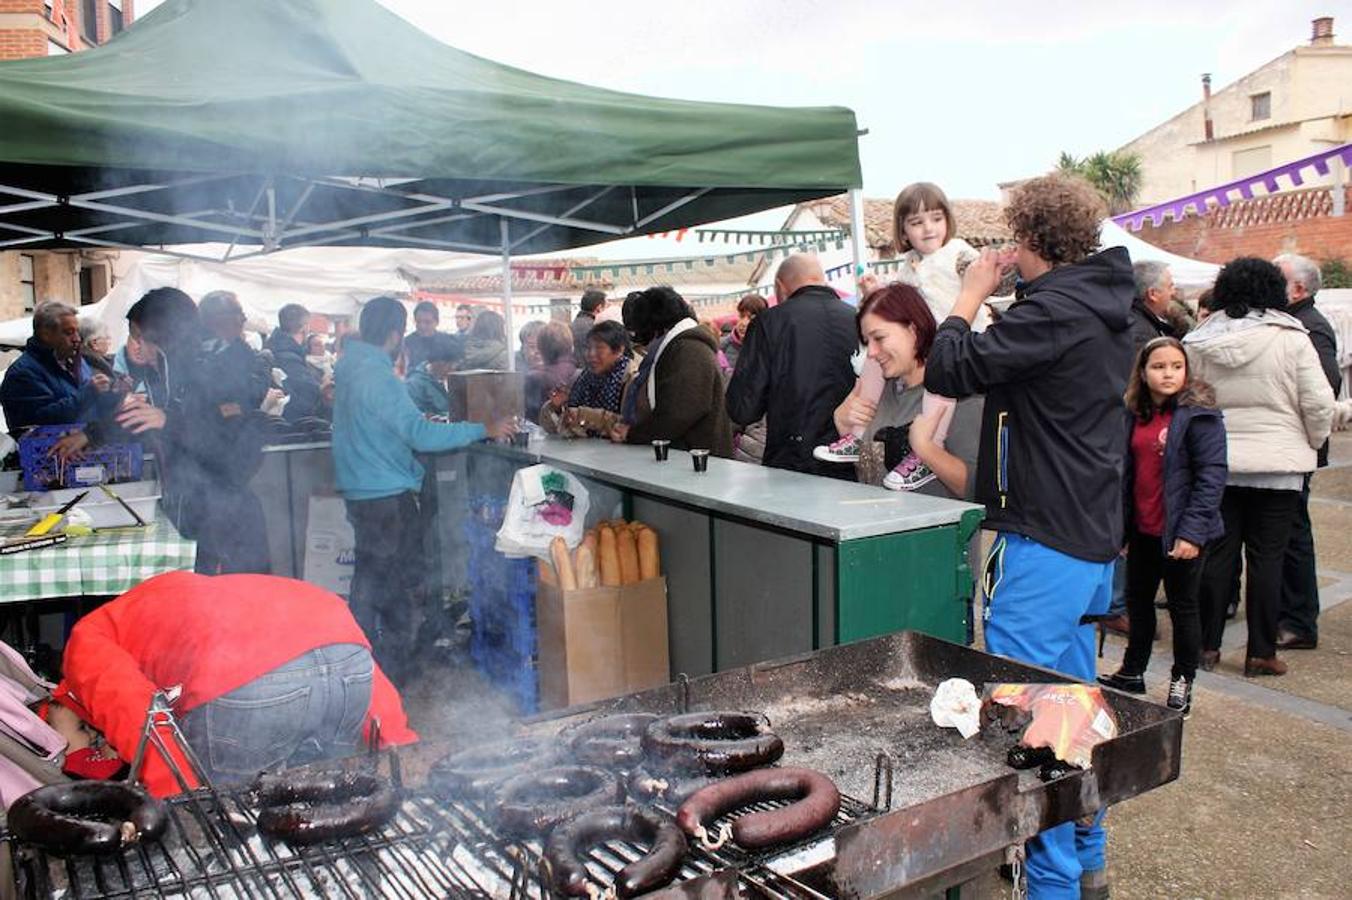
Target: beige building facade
x=1295, y=106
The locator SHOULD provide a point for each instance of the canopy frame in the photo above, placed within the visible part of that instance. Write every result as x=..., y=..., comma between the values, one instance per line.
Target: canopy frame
x=273, y=232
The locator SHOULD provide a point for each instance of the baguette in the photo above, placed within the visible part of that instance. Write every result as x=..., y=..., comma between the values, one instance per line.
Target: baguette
x=609, y=557
x=547, y=574
x=628, y=548
x=564, y=564
x=586, y=567
x=649, y=557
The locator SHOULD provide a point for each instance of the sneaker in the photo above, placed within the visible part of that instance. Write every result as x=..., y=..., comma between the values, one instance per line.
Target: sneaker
x=1124, y=681
x=1180, y=695
x=844, y=450
x=909, y=475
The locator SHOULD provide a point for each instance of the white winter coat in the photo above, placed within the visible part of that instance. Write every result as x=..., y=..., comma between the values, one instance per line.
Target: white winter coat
x=1276, y=399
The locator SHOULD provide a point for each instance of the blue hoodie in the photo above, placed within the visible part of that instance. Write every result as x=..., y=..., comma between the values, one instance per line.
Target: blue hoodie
x=377, y=428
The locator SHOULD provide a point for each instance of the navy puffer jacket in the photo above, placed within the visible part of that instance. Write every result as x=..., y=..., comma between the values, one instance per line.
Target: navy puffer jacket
x=1194, y=470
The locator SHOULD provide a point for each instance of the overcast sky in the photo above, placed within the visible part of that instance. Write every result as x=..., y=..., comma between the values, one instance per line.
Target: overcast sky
x=966, y=94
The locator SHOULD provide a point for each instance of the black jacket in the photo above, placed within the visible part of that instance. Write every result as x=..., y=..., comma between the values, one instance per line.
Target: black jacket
x=794, y=369
x=1053, y=369
x=1195, y=470
x=1326, y=345
x=302, y=379
x=1145, y=327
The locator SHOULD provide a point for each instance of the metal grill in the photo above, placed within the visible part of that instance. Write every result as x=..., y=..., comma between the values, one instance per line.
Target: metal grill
x=433, y=848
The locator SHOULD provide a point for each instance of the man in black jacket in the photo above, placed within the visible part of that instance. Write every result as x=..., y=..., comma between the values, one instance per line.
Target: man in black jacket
x=794, y=368
x=1053, y=370
x=1150, y=307
x=209, y=435
x=303, y=381
x=1298, y=625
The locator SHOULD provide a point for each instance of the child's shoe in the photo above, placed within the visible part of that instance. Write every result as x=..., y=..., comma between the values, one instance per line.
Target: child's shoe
x=844, y=449
x=1180, y=695
x=909, y=475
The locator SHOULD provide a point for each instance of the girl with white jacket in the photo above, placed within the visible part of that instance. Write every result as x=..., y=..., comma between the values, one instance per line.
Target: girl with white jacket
x=1278, y=409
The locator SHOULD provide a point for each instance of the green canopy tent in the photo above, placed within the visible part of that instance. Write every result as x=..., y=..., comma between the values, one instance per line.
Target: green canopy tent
x=269, y=125
x=272, y=125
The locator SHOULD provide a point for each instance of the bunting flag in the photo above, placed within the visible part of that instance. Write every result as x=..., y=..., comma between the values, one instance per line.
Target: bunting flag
x=652, y=266
x=543, y=271
x=745, y=236
x=880, y=265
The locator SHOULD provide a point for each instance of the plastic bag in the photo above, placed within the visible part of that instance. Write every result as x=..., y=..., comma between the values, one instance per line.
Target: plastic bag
x=1071, y=719
x=955, y=705
x=544, y=503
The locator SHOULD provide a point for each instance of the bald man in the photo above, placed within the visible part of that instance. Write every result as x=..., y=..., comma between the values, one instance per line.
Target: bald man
x=794, y=368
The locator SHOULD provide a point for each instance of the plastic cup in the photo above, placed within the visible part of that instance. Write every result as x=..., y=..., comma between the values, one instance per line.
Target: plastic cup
x=661, y=449
x=700, y=458
x=521, y=439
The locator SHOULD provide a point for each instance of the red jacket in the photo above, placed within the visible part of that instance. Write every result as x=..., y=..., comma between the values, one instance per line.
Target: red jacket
x=207, y=635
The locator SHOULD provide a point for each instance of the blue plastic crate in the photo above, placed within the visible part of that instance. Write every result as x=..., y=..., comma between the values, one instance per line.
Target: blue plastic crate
x=109, y=464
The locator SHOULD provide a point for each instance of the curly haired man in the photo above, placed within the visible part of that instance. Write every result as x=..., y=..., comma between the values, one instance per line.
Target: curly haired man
x=1053, y=370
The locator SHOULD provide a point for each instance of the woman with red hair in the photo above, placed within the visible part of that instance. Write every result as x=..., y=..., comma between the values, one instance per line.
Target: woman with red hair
x=897, y=329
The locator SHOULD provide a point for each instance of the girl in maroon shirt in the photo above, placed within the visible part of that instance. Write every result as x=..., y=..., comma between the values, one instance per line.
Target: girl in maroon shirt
x=1173, y=479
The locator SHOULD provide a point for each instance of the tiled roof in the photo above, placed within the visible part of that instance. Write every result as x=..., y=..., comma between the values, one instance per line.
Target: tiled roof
x=980, y=222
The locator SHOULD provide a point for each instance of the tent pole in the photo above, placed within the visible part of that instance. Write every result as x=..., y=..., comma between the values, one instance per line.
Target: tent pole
x=857, y=234
x=506, y=229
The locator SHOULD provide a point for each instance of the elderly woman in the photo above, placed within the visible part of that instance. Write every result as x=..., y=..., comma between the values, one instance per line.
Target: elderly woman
x=96, y=346
x=677, y=393
x=1278, y=410
x=592, y=406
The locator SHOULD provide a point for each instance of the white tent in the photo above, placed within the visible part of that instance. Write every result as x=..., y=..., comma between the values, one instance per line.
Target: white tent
x=1189, y=274
x=328, y=280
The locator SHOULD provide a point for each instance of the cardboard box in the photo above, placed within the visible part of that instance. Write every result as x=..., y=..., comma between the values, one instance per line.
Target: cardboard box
x=486, y=396
x=330, y=545
x=601, y=642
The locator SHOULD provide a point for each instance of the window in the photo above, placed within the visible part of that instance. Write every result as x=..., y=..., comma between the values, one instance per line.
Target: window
x=86, y=286
x=1261, y=106
x=47, y=4
x=27, y=285
x=89, y=20
x=114, y=17
x=1244, y=163
x=55, y=49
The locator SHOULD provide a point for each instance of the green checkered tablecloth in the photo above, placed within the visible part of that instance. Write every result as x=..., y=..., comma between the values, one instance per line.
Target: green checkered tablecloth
x=96, y=564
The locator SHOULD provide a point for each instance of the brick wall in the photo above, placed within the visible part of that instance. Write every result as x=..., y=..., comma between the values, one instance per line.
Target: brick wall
x=21, y=6
x=22, y=43
x=1290, y=222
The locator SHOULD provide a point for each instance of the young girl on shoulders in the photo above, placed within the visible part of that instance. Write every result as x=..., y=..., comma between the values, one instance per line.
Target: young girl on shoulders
x=931, y=259
x=1172, y=483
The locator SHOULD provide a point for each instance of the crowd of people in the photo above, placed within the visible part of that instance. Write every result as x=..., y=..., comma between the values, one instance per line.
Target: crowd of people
x=1117, y=438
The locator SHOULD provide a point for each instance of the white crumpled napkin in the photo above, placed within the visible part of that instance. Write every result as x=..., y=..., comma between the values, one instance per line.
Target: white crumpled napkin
x=956, y=705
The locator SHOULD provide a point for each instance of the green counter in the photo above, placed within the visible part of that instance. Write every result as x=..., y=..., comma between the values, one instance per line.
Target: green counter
x=763, y=563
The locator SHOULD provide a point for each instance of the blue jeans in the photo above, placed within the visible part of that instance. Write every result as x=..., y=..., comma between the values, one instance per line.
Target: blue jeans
x=308, y=709
x=1035, y=597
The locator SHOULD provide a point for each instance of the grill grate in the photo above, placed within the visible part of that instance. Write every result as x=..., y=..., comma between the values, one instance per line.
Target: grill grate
x=433, y=848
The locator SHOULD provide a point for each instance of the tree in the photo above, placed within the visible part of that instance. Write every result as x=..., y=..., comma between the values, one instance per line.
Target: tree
x=1116, y=175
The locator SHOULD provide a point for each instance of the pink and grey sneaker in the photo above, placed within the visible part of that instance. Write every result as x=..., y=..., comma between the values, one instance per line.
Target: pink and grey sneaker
x=909, y=475
x=845, y=449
